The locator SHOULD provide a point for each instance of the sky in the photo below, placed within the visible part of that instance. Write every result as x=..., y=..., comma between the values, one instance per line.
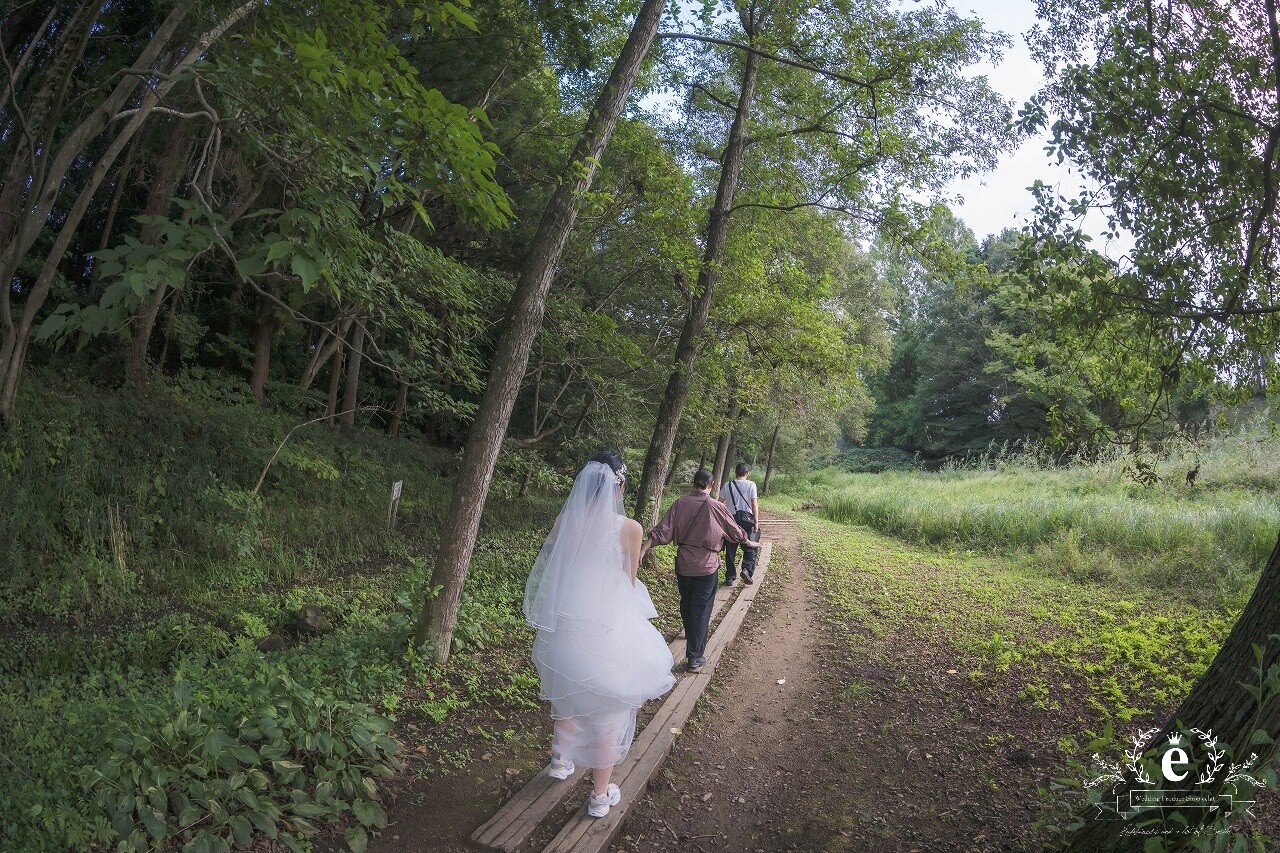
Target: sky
x=999, y=199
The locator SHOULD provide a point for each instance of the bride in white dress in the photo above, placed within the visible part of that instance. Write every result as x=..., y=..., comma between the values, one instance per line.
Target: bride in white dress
x=596, y=654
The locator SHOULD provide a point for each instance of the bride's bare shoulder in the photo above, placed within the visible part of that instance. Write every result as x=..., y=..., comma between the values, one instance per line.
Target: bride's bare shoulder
x=631, y=528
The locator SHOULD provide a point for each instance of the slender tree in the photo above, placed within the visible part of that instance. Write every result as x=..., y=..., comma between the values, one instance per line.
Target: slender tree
x=836, y=134
x=439, y=614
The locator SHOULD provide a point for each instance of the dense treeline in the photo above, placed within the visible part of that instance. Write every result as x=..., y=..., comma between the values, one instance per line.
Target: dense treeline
x=331, y=202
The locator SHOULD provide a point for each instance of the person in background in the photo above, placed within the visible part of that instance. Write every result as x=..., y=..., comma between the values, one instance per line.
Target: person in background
x=699, y=525
x=597, y=656
x=740, y=497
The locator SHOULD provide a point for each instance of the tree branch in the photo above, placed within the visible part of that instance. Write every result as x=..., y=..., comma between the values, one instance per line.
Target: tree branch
x=826, y=72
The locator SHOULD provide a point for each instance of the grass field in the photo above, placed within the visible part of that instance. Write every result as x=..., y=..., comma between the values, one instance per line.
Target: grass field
x=1088, y=522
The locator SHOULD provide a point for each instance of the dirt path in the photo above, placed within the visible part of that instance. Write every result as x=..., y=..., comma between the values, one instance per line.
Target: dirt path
x=852, y=752
x=743, y=754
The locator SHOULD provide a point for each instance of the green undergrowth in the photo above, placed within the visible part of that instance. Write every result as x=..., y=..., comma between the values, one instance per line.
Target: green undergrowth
x=179, y=728
x=138, y=573
x=117, y=496
x=1015, y=626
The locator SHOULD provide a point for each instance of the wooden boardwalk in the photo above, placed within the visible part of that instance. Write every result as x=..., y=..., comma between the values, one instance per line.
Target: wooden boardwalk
x=516, y=821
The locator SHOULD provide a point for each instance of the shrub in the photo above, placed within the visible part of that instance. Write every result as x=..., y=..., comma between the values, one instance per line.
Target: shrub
x=282, y=757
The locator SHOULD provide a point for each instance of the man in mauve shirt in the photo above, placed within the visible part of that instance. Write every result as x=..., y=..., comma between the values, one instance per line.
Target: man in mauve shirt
x=699, y=525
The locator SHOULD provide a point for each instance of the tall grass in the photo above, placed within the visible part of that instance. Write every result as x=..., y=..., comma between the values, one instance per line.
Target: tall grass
x=1091, y=520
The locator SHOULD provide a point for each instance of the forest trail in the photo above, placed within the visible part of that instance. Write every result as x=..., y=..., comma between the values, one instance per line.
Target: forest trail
x=855, y=750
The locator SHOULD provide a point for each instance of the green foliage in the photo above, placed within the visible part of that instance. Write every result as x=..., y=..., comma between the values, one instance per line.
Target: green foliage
x=109, y=490
x=186, y=701
x=285, y=758
x=1011, y=626
x=1169, y=120
x=867, y=460
x=977, y=358
x=1092, y=770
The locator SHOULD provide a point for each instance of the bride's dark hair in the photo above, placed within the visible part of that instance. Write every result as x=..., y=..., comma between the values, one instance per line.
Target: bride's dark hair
x=610, y=458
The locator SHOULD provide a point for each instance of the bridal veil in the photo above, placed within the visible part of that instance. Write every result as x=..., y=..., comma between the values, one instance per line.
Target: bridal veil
x=597, y=656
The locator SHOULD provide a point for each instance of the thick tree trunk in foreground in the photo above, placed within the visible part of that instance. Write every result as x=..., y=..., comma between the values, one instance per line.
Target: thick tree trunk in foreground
x=677, y=391
x=768, y=460
x=524, y=317
x=1219, y=703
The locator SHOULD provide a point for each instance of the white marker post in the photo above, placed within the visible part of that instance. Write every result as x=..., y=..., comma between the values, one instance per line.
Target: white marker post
x=396, y=489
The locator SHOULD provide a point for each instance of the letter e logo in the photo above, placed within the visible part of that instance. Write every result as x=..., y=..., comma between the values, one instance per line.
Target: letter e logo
x=1173, y=757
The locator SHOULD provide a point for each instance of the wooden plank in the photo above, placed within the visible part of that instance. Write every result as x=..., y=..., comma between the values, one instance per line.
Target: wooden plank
x=584, y=834
x=517, y=819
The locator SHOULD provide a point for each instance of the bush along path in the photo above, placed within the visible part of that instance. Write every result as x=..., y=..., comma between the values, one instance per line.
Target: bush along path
x=889, y=697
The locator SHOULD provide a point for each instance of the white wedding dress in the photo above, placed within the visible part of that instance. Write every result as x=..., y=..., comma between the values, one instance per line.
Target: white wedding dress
x=598, y=657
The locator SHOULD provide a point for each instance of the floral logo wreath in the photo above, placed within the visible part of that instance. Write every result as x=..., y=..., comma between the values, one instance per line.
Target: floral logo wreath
x=1116, y=772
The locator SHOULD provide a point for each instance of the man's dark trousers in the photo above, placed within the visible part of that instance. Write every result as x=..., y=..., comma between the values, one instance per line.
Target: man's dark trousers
x=748, y=559
x=697, y=597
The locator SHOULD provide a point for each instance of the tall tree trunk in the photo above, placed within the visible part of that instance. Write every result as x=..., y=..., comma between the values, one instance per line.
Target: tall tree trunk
x=677, y=391
x=724, y=444
x=264, y=331
x=108, y=227
x=329, y=343
x=350, y=396
x=524, y=317
x=173, y=163
x=722, y=454
x=674, y=465
x=21, y=28
x=335, y=380
x=768, y=461
x=1218, y=702
x=168, y=331
x=397, y=416
x=702, y=460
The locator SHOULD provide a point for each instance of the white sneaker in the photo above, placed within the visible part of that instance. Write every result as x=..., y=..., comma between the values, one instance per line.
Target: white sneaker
x=598, y=804
x=560, y=769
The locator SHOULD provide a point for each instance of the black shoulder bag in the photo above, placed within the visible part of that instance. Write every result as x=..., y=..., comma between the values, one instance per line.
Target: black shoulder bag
x=745, y=518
